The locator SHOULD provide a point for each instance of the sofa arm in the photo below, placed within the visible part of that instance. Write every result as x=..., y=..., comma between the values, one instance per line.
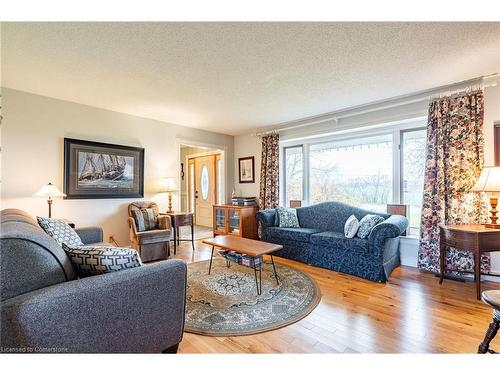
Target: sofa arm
x=135, y=310
x=90, y=235
x=392, y=227
x=266, y=217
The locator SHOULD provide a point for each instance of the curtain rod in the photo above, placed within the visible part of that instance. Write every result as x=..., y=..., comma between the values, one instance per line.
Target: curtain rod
x=364, y=108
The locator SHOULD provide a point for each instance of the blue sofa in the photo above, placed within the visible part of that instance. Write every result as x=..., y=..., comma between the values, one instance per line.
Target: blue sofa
x=320, y=240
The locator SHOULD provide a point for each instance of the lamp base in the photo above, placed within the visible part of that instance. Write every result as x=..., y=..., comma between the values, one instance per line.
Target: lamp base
x=493, y=212
x=170, y=211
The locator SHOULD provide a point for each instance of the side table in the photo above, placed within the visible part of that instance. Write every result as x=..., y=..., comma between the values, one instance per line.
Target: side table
x=474, y=237
x=181, y=219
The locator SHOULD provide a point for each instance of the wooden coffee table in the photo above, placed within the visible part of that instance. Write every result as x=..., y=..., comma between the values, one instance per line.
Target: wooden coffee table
x=252, y=248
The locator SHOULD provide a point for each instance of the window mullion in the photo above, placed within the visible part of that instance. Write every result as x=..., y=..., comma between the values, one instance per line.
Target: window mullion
x=396, y=166
x=305, y=174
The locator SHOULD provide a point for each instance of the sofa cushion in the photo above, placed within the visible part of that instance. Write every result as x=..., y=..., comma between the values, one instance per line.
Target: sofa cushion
x=287, y=217
x=145, y=219
x=367, y=223
x=96, y=260
x=336, y=239
x=351, y=227
x=290, y=234
x=330, y=216
x=60, y=231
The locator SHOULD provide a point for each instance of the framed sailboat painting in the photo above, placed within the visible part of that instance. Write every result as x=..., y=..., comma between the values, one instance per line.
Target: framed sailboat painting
x=94, y=170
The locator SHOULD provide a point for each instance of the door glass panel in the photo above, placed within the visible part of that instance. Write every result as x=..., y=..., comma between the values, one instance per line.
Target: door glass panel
x=234, y=221
x=204, y=182
x=220, y=220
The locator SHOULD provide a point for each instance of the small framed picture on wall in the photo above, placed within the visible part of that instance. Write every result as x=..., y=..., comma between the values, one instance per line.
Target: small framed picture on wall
x=247, y=169
x=497, y=143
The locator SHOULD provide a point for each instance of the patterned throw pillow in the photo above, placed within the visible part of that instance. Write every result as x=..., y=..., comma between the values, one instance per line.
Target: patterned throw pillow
x=287, y=217
x=367, y=223
x=145, y=219
x=96, y=260
x=351, y=226
x=60, y=231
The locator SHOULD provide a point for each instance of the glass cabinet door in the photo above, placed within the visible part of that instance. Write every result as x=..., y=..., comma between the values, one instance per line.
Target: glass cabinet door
x=220, y=220
x=234, y=221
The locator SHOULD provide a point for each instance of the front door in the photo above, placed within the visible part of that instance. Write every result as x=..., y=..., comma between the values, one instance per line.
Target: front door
x=205, y=189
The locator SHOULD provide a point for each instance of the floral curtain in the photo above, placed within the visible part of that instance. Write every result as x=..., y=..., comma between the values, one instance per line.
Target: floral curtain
x=269, y=171
x=453, y=164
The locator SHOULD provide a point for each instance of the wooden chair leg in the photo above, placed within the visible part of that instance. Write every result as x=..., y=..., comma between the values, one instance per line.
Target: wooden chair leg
x=490, y=335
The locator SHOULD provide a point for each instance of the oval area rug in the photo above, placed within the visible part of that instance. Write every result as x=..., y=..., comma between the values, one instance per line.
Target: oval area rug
x=225, y=303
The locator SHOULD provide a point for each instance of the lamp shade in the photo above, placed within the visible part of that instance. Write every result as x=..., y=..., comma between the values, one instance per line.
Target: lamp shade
x=50, y=191
x=168, y=184
x=489, y=181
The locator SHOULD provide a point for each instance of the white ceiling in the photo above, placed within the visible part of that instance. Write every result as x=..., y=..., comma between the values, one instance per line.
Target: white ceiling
x=236, y=77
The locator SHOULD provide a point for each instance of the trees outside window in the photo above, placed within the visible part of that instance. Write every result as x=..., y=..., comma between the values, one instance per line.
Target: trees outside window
x=413, y=169
x=358, y=172
x=294, y=165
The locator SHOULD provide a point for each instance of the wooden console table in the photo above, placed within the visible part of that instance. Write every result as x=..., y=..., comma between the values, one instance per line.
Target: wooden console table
x=474, y=237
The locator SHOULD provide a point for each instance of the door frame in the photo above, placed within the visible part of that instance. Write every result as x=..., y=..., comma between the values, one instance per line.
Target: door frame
x=192, y=159
x=218, y=149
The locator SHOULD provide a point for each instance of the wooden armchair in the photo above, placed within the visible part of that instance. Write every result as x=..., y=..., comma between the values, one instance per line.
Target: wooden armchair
x=152, y=244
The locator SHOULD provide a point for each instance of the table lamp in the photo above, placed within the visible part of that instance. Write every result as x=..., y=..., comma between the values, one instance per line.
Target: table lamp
x=489, y=182
x=168, y=186
x=49, y=191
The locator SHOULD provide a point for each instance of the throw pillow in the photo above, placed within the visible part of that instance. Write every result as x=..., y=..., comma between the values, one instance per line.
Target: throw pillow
x=96, y=260
x=287, y=217
x=351, y=226
x=145, y=219
x=367, y=223
x=60, y=231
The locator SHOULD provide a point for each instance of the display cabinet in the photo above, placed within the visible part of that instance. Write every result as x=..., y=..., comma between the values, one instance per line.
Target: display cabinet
x=235, y=220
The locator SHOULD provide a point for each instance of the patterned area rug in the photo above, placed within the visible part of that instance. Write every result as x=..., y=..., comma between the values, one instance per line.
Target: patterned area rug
x=225, y=303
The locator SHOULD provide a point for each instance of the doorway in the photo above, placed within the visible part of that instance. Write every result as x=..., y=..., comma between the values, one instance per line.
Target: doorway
x=202, y=185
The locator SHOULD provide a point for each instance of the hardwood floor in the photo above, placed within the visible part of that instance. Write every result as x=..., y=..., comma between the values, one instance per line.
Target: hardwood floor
x=412, y=313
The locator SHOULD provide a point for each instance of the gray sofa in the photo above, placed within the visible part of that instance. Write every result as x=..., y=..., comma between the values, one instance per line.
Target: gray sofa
x=46, y=308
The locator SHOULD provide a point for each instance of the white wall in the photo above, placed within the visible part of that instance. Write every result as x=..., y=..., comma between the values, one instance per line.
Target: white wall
x=33, y=130
x=247, y=145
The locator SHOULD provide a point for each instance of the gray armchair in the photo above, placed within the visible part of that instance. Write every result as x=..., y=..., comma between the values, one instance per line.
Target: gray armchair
x=46, y=308
x=151, y=244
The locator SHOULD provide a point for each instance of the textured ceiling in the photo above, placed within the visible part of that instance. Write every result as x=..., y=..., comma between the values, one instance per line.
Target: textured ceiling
x=236, y=77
